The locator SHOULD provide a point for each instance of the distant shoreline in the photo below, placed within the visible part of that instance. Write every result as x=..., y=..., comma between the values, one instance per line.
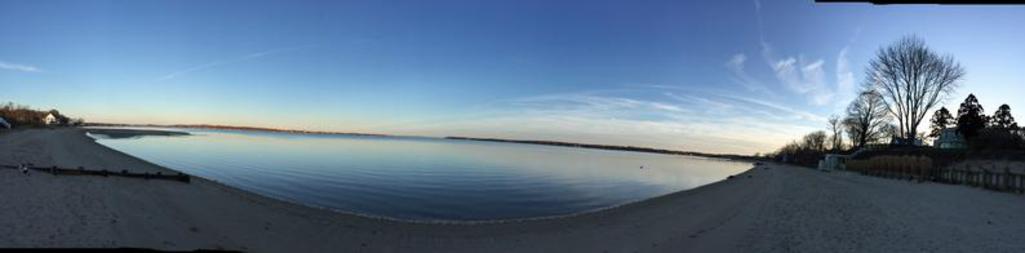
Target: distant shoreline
x=244, y=128
x=609, y=147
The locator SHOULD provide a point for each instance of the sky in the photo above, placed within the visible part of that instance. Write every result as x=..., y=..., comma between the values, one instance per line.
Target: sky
x=712, y=76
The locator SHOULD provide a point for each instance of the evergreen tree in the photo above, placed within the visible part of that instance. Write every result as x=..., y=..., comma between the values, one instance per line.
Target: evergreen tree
x=971, y=117
x=941, y=119
x=1002, y=118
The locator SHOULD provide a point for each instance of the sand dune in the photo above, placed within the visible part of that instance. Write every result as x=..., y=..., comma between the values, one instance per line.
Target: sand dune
x=773, y=209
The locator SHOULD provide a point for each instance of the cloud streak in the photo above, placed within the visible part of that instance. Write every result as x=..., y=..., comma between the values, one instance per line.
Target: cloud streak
x=215, y=64
x=18, y=67
x=736, y=66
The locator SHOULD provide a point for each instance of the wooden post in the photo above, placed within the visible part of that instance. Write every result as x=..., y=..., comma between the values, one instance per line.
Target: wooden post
x=982, y=178
x=1006, y=180
x=1021, y=183
x=1015, y=183
x=965, y=176
x=985, y=179
x=971, y=175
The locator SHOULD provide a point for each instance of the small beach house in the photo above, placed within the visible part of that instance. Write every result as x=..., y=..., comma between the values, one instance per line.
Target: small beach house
x=950, y=139
x=833, y=162
x=50, y=119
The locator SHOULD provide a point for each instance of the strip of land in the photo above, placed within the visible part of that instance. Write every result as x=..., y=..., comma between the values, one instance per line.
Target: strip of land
x=120, y=133
x=240, y=128
x=772, y=208
x=609, y=147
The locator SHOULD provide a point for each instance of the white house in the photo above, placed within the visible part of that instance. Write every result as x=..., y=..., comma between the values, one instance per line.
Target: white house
x=949, y=139
x=4, y=124
x=50, y=119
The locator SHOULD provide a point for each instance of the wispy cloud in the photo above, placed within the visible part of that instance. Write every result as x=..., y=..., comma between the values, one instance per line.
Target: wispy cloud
x=658, y=116
x=845, y=82
x=18, y=67
x=736, y=66
x=808, y=77
x=804, y=77
x=577, y=101
x=214, y=64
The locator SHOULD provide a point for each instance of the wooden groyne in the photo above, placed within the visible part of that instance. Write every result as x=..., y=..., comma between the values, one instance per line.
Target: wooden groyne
x=993, y=177
x=80, y=171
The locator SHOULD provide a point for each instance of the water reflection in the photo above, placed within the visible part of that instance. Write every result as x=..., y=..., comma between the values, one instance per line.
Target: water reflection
x=426, y=178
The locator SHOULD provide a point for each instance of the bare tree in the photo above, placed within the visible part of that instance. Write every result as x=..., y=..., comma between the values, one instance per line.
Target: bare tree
x=866, y=116
x=815, y=141
x=912, y=80
x=836, y=126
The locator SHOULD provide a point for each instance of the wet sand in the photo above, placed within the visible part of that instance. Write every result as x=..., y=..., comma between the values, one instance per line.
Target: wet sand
x=774, y=208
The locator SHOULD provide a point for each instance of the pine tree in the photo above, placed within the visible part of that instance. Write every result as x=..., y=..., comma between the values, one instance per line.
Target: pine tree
x=971, y=117
x=941, y=119
x=1002, y=118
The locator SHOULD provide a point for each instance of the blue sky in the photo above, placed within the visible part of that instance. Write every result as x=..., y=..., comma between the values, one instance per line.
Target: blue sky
x=715, y=76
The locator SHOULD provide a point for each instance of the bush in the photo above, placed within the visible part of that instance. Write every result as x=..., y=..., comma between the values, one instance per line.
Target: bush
x=992, y=139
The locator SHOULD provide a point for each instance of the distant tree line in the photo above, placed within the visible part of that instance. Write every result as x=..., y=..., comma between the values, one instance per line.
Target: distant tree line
x=21, y=116
x=903, y=82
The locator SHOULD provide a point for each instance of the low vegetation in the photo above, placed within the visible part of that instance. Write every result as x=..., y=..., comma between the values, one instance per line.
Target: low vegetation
x=21, y=116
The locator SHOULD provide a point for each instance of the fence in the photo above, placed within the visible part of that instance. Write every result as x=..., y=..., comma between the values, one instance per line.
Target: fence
x=80, y=171
x=921, y=168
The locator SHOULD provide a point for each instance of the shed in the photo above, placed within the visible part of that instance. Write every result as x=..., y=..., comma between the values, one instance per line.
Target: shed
x=833, y=162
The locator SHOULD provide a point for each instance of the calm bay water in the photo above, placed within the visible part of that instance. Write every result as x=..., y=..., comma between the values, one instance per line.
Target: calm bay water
x=425, y=178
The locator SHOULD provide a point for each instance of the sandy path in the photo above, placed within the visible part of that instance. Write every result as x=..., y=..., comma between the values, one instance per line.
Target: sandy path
x=763, y=210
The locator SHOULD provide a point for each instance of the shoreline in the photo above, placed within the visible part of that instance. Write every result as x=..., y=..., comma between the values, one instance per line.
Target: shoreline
x=759, y=210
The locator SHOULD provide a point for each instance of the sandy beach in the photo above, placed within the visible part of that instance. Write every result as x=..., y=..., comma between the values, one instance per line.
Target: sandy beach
x=773, y=208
